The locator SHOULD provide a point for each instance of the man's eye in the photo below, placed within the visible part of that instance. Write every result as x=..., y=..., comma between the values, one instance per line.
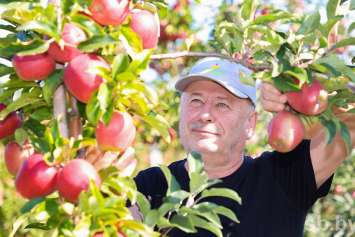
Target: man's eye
x=196, y=100
x=222, y=105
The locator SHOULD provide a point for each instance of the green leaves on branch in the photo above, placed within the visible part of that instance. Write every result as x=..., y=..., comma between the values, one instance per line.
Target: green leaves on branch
x=42, y=27
x=37, y=46
x=193, y=213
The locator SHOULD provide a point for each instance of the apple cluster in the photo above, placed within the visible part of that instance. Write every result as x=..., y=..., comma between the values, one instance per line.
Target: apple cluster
x=34, y=176
x=288, y=128
x=103, y=12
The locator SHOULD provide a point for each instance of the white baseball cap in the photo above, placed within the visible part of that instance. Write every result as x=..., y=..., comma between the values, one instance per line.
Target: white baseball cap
x=221, y=71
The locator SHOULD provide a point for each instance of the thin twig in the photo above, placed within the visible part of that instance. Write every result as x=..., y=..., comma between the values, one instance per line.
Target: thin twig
x=210, y=54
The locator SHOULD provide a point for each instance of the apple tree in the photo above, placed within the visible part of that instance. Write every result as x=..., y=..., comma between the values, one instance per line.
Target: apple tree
x=75, y=84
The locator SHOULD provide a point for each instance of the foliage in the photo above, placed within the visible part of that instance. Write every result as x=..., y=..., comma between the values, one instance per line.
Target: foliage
x=277, y=46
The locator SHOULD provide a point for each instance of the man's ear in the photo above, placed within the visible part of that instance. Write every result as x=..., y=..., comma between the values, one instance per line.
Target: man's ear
x=252, y=120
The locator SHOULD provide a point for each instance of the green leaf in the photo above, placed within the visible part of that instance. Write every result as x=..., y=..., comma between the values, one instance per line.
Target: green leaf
x=104, y=96
x=198, y=182
x=159, y=125
x=18, y=83
x=221, y=192
x=199, y=222
x=120, y=64
x=300, y=74
x=345, y=42
x=39, y=226
x=246, y=78
x=248, y=9
x=51, y=83
x=36, y=127
x=42, y=27
x=20, y=102
x=309, y=25
x=8, y=28
x=7, y=93
x=95, y=42
x=273, y=16
x=173, y=185
x=345, y=134
x=42, y=114
x=351, y=27
x=162, y=9
x=338, y=64
x=205, y=211
x=107, y=115
x=88, y=25
x=144, y=204
x=93, y=109
x=184, y=223
x=20, y=136
x=329, y=25
x=352, y=5
x=325, y=69
x=18, y=222
x=195, y=162
x=140, y=61
x=102, y=72
x=332, y=8
x=19, y=15
x=131, y=40
x=176, y=197
x=5, y=70
x=285, y=83
x=225, y=212
x=152, y=218
x=329, y=130
x=37, y=46
x=148, y=91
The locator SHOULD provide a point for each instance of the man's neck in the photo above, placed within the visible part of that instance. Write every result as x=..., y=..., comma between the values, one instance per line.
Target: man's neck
x=219, y=168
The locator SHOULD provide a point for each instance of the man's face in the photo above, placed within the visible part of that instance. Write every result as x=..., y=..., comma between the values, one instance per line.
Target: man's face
x=213, y=120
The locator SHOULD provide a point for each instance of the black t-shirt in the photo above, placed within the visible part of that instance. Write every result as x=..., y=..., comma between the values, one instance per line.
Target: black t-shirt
x=277, y=191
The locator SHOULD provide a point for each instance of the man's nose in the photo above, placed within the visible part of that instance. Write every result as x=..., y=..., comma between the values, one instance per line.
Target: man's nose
x=206, y=113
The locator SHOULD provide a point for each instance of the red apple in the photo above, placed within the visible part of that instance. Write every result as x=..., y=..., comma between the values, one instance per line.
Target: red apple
x=35, y=178
x=118, y=135
x=15, y=155
x=82, y=84
x=109, y=12
x=286, y=131
x=75, y=177
x=9, y=125
x=146, y=26
x=33, y=67
x=265, y=11
x=311, y=100
x=72, y=35
x=338, y=189
x=313, y=126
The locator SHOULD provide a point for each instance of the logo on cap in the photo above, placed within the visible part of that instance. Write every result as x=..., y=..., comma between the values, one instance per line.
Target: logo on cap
x=214, y=69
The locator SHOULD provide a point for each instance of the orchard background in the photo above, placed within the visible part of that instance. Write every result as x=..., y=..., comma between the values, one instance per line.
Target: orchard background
x=188, y=26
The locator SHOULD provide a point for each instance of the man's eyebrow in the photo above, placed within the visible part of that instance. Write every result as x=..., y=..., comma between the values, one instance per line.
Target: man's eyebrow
x=223, y=98
x=196, y=93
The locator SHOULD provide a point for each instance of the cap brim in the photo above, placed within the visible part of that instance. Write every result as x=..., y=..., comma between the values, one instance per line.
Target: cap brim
x=184, y=82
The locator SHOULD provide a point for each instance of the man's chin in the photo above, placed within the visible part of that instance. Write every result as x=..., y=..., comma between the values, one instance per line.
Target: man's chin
x=205, y=148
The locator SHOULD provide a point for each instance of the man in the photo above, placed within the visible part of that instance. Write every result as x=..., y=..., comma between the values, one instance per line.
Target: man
x=277, y=189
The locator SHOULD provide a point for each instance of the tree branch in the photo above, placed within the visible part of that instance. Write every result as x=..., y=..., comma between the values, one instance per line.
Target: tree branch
x=60, y=107
x=210, y=54
x=75, y=124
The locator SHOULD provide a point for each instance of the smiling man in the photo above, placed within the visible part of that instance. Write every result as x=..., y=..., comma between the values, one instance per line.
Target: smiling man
x=277, y=189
